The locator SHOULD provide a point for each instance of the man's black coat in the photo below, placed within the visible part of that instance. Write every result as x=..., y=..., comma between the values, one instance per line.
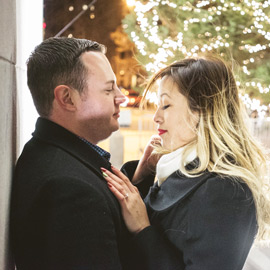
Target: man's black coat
x=63, y=215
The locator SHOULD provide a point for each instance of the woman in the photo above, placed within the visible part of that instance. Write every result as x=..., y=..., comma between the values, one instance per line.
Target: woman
x=208, y=203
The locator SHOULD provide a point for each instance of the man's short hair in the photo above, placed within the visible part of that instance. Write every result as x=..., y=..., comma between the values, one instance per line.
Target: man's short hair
x=57, y=61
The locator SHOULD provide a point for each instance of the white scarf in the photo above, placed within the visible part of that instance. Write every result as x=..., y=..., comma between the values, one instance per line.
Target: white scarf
x=170, y=163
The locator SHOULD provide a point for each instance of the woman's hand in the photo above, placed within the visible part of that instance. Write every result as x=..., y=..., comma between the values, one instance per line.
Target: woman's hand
x=133, y=208
x=148, y=162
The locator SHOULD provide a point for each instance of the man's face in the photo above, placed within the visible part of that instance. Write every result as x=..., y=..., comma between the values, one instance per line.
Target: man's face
x=98, y=106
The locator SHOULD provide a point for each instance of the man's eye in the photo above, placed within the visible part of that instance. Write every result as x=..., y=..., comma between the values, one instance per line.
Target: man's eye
x=109, y=90
x=165, y=107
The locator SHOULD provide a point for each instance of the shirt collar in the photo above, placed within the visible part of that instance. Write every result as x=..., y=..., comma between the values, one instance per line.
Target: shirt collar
x=98, y=149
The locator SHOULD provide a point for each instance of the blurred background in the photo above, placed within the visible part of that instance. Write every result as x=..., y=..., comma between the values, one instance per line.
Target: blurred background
x=143, y=36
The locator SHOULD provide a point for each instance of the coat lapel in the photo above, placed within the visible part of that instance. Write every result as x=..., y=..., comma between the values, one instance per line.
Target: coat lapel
x=176, y=188
x=51, y=133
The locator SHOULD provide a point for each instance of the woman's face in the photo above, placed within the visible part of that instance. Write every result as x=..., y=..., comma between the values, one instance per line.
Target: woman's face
x=176, y=125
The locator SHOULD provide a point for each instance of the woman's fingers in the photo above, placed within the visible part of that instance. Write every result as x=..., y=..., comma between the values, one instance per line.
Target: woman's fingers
x=124, y=178
x=120, y=188
x=119, y=173
x=117, y=193
x=133, y=208
x=120, y=178
x=155, y=140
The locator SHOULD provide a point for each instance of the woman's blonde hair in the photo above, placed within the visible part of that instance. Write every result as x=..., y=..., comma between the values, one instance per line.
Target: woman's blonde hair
x=223, y=142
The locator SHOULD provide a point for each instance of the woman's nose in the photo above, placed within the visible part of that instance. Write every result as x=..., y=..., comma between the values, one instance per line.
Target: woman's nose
x=157, y=117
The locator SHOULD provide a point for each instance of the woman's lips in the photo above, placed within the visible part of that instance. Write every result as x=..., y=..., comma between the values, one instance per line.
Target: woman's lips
x=161, y=131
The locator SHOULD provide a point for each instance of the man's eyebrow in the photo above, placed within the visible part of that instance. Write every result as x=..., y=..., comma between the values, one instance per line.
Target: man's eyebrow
x=110, y=82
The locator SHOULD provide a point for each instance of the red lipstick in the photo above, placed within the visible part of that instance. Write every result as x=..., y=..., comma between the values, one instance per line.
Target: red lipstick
x=161, y=131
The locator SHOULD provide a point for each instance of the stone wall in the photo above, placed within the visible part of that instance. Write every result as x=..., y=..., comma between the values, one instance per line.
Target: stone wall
x=7, y=119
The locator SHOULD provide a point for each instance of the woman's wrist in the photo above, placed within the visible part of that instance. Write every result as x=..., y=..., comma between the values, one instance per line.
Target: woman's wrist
x=143, y=170
x=144, y=226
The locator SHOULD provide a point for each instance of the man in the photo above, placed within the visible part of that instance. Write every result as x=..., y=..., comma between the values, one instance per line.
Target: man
x=63, y=215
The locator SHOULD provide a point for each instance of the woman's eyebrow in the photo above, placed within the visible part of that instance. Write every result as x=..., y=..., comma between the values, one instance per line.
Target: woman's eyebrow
x=165, y=94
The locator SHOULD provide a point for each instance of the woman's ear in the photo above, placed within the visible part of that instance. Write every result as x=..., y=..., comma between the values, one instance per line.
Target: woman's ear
x=64, y=96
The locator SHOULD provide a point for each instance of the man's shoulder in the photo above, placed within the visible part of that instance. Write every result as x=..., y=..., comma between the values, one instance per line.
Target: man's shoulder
x=52, y=173
x=39, y=163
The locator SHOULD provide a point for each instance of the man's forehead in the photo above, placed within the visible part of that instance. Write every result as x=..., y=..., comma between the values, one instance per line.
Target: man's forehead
x=99, y=66
x=96, y=61
x=94, y=58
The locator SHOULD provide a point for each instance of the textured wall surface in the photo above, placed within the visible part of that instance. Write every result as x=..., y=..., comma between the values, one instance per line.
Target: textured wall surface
x=7, y=119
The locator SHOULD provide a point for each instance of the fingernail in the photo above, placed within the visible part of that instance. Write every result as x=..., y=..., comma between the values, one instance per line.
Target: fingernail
x=104, y=174
x=103, y=169
x=109, y=185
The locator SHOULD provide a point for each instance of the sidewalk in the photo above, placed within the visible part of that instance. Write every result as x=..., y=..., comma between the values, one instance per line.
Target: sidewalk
x=258, y=259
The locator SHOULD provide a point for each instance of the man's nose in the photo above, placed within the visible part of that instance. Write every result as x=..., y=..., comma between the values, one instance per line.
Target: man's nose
x=120, y=97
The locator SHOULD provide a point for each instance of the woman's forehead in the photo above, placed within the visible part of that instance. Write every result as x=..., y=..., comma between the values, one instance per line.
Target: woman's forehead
x=167, y=87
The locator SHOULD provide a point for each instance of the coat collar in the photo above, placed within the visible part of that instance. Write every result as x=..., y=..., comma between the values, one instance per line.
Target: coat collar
x=54, y=134
x=175, y=189
x=170, y=163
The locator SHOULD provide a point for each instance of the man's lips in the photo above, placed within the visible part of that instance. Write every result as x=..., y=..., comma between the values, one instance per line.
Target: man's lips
x=117, y=114
x=161, y=131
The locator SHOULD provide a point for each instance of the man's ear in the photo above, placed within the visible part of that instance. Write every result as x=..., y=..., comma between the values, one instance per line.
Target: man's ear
x=64, y=96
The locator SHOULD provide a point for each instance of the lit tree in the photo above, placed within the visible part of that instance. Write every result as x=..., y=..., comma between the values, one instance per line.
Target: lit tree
x=166, y=30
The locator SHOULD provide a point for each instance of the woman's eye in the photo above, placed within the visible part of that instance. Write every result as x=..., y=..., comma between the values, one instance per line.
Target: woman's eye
x=165, y=107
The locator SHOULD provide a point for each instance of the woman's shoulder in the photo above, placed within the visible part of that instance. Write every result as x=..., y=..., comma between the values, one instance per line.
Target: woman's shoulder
x=206, y=186
x=225, y=186
x=220, y=191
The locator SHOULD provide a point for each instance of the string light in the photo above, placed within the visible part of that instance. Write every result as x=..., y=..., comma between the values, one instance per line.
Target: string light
x=84, y=7
x=217, y=38
x=253, y=104
x=131, y=3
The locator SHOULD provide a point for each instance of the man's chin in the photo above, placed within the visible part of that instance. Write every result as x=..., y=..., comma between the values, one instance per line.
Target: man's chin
x=115, y=127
